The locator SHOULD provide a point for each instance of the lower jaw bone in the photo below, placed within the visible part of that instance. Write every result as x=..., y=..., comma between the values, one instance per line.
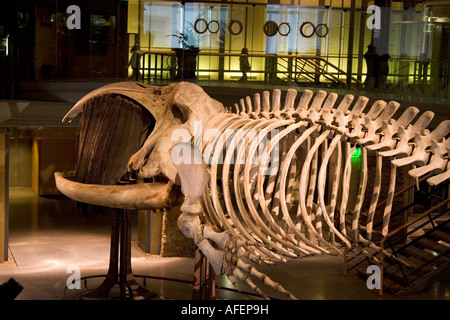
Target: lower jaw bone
x=144, y=196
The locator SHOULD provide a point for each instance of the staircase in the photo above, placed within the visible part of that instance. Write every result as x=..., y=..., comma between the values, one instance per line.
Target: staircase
x=422, y=259
x=412, y=257
x=311, y=69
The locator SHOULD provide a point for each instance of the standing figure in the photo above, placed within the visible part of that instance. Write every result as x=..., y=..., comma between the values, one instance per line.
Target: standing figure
x=381, y=83
x=372, y=61
x=244, y=64
x=135, y=61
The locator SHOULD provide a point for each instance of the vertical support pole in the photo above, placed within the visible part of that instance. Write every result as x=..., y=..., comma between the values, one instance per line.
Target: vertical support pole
x=350, y=44
x=345, y=261
x=318, y=72
x=290, y=67
x=150, y=227
x=4, y=196
x=362, y=30
x=204, y=285
x=197, y=282
x=210, y=283
x=222, y=37
x=156, y=230
x=150, y=230
x=123, y=252
x=143, y=231
x=381, y=264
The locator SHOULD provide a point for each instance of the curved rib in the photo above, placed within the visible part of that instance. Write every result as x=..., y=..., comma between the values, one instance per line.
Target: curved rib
x=302, y=192
x=321, y=189
x=284, y=169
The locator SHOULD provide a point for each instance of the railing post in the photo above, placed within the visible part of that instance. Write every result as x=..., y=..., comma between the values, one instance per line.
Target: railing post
x=350, y=44
x=380, y=291
x=289, y=66
x=381, y=266
x=4, y=196
x=345, y=261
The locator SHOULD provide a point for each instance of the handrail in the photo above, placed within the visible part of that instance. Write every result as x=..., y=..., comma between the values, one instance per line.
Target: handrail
x=401, y=191
x=398, y=193
x=412, y=221
x=309, y=58
x=401, y=228
x=327, y=74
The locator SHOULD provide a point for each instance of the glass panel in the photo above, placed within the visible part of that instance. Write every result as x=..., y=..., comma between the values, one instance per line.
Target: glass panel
x=293, y=43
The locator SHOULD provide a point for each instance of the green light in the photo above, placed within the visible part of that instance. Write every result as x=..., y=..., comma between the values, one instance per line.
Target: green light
x=356, y=153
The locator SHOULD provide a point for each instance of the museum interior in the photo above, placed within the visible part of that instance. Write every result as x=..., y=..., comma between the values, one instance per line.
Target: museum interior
x=54, y=52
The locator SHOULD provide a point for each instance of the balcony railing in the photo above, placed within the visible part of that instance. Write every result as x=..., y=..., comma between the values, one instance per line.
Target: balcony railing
x=405, y=75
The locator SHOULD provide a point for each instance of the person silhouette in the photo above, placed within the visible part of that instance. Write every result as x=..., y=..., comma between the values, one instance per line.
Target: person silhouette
x=135, y=61
x=244, y=64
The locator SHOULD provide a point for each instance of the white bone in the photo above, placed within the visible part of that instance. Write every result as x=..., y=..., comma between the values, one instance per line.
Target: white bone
x=265, y=104
x=302, y=192
x=345, y=188
x=360, y=194
x=321, y=190
x=262, y=197
x=437, y=179
x=406, y=133
x=192, y=228
x=375, y=195
x=256, y=113
x=290, y=99
x=242, y=213
x=242, y=109
x=248, y=103
x=304, y=100
x=389, y=129
x=389, y=201
x=143, y=196
x=276, y=100
x=437, y=163
x=284, y=170
x=419, y=155
x=318, y=100
x=372, y=125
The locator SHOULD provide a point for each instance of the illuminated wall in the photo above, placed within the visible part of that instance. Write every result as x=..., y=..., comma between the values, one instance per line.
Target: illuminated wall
x=304, y=27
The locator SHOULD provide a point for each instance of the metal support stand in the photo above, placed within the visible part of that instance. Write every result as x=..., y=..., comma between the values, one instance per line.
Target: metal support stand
x=120, y=272
x=204, y=286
